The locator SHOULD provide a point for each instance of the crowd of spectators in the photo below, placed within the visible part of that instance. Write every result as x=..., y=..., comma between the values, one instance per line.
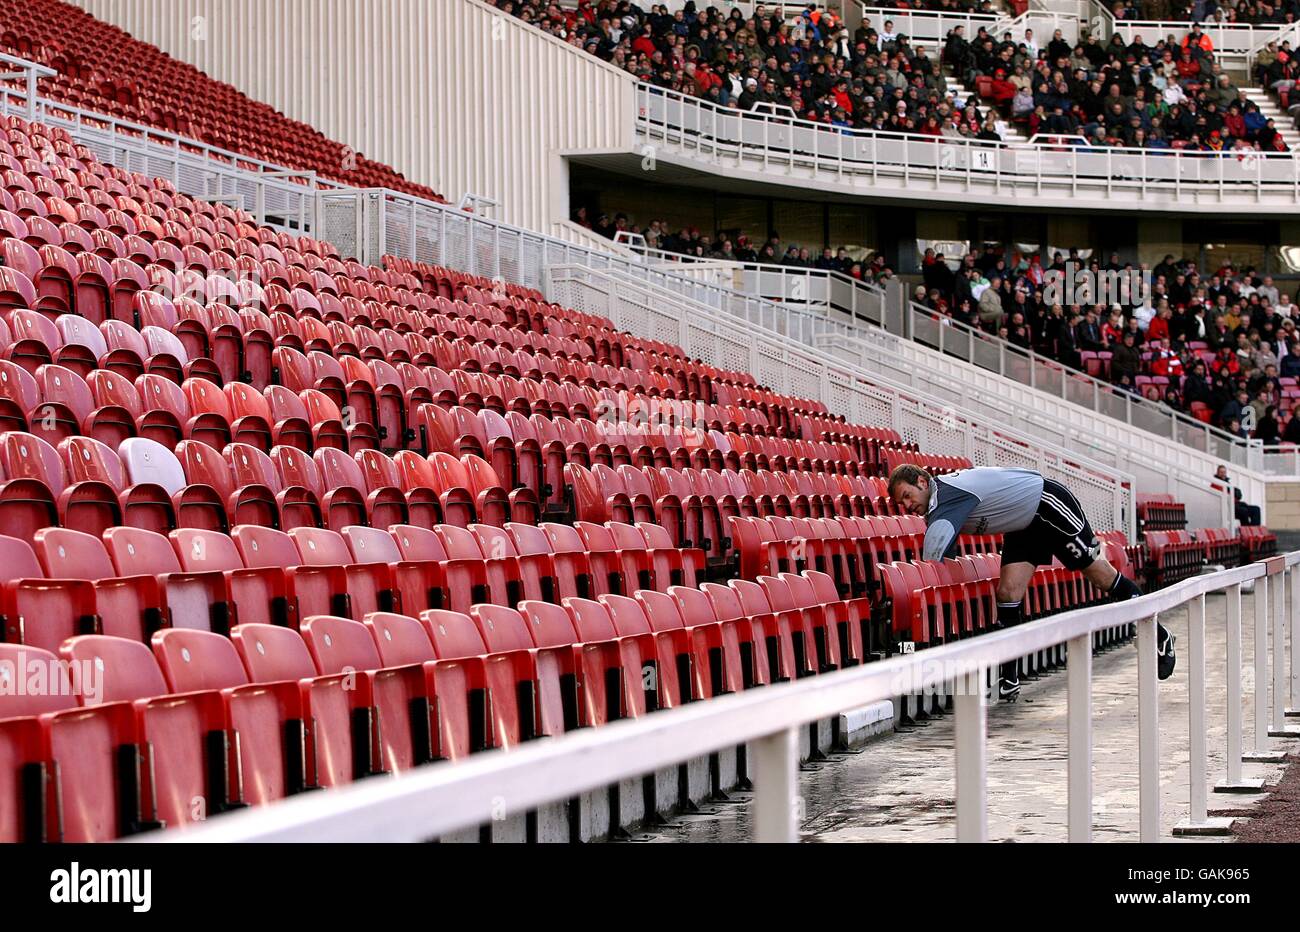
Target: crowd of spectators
x=1162, y=94
x=1157, y=92
x=1223, y=347
x=738, y=246
x=1207, y=11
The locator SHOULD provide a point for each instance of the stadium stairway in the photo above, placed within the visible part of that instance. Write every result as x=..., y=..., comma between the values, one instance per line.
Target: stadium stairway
x=1271, y=109
x=1011, y=133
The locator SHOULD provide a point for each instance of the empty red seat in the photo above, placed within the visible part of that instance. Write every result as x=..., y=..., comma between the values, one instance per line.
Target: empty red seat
x=265, y=720
x=175, y=732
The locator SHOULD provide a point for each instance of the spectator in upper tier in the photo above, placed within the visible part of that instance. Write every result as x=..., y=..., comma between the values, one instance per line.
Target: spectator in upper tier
x=1125, y=359
x=1235, y=408
x=1087, y=334
x=1266, y=429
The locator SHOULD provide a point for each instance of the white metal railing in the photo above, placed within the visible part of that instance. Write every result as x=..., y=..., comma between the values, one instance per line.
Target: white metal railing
x=929, y=26
x=372, y=223
x=774, y=344
x=1235, y=44
x=1029, y=368
x=439, y=799
x=861, y=300
x=272, y=194
x=27, y=73
x=777, y=148
x=1280, y=460
x=933, y=26
x=1157, y=465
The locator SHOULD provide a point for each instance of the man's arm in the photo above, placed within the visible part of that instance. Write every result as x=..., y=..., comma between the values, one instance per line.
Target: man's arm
x=950, y=512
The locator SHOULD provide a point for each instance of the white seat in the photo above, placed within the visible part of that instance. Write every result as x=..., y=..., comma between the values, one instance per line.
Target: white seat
x=148, y=461
x=159, y=341
x=81, y=332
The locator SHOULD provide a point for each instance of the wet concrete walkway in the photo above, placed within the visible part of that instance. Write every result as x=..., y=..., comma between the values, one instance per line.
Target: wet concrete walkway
x=900, y=787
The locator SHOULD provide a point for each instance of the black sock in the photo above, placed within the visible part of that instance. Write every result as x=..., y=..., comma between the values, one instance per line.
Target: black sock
x=1123, y=589
x=1009, y=615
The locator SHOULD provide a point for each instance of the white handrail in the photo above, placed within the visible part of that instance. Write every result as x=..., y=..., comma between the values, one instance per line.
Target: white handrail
x=777, y=344
x=937, y=331
x=702, y=134
x=439, y=799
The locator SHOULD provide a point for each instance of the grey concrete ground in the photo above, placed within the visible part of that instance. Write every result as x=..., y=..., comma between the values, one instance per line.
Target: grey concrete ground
x=900, y=787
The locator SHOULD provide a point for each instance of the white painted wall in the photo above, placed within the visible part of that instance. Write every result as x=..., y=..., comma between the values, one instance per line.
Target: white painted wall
x=449, y=92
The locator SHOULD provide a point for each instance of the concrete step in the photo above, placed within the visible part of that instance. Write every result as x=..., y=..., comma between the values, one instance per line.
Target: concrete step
x=1269, y=106
x=1010, y=132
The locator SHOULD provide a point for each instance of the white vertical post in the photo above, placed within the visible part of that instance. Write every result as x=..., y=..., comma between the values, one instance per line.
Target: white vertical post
x=776, y=759
x=1261, y=665
x=1196, y=705
x=1234, y=782
x=1293, y=616
x=1197, y=821
x=1079, y=710
x=1148, y=733
x=1278, y=588
x=972, y=758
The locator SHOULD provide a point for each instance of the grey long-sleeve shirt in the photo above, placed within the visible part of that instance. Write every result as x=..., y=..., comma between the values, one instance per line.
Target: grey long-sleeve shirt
x=984, y=500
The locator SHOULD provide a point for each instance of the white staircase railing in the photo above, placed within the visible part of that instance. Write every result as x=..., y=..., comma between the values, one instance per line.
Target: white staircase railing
x=749, y=341
x=1026, y=367
x=933, y=26
x=769, y=149
x=1158, y=465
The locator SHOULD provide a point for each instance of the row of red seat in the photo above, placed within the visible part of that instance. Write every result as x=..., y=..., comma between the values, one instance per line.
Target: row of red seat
x=1257, y=542
x=890, y=457
x=241, y=341
x=1160, y=512
x=1222, y=546
x=87, y=485
x=930, y=603
x=184, y=339
x=132, y=582
x=1173, y=556
x=137, y=391
x=271, y=711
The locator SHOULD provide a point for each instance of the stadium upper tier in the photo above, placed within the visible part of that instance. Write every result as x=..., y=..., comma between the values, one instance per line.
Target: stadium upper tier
x=101, y=68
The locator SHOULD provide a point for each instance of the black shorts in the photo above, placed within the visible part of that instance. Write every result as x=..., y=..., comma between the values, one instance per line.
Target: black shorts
x=1060, y=529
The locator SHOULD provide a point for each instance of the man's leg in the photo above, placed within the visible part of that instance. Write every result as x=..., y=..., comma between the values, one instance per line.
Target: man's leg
x=1118, y=588
x=1013, y=580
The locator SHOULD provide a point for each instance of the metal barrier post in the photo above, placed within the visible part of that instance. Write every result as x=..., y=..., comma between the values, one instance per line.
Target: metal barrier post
x=1197, y=821
x=1148, y=733
x=1078, y=668
x=1278, y=727
x=1262, y=752
x=1234, y=783
x=972, y=757
x=776, y=786
x=1293, y=708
